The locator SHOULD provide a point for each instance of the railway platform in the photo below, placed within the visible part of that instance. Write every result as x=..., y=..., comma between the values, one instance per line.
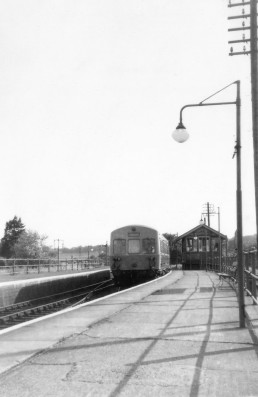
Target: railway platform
x=6, y=277
x=175, y=336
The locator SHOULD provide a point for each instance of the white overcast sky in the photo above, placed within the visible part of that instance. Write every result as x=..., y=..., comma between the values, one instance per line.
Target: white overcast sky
x=90, y=92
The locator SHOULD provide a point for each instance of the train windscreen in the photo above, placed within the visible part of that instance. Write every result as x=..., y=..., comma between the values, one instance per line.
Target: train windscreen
x=134, y=246
x=148, y=246
x=119, y=246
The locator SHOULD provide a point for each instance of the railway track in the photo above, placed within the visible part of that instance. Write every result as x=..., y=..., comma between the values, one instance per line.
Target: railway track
x=29, y=310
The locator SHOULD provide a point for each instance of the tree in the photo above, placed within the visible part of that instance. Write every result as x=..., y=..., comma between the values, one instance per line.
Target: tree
x=30, y=245
x=13, y=230
x=171, y=239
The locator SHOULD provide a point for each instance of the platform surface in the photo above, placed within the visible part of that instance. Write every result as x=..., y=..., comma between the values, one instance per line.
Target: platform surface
x=179, y=336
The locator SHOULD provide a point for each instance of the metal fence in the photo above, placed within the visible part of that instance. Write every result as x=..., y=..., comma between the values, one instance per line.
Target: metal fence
x=28, y=266
x=228, y=265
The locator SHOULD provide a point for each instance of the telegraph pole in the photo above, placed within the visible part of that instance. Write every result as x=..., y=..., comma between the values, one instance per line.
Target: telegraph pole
x=251, y=28
x=252, y=40
x=254, y=83
x=208, y=210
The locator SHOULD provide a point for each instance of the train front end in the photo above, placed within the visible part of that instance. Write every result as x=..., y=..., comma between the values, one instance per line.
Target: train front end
x=134, y=254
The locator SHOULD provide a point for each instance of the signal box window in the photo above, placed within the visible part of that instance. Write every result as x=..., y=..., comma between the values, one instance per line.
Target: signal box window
x=148, y=246
x=119, y=247
x=191, y=245
x=134, y=246
x=215, y=245
x=204, y=244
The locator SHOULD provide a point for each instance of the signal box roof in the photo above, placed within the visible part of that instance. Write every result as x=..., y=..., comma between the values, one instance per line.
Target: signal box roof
x=201, y=230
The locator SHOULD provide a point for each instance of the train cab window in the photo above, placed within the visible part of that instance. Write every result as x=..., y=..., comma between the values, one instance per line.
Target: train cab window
x=134, y=246
x=191, y=245
x=148, y=246
x=119, y=246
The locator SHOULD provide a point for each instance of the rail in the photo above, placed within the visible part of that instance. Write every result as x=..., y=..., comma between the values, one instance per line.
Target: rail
x=27, y=310
x=29, y=266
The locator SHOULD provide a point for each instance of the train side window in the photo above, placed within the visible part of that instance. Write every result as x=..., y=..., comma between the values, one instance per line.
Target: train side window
x=119, y=246
x=134, y=246
x=148, y=246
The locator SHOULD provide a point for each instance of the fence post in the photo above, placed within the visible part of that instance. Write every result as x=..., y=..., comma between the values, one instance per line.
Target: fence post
x=254, y=292
x=248, y=281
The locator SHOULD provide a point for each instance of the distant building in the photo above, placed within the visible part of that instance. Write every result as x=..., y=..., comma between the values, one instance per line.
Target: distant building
x=200, y=245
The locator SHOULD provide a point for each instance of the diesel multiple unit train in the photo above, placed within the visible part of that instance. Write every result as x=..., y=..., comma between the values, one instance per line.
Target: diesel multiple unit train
x=136, y=253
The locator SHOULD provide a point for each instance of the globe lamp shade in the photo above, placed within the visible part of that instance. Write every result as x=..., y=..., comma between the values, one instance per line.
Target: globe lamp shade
x=180, y=134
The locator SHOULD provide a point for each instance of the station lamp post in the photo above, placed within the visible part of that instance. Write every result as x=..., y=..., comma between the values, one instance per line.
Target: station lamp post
x=181, y=135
